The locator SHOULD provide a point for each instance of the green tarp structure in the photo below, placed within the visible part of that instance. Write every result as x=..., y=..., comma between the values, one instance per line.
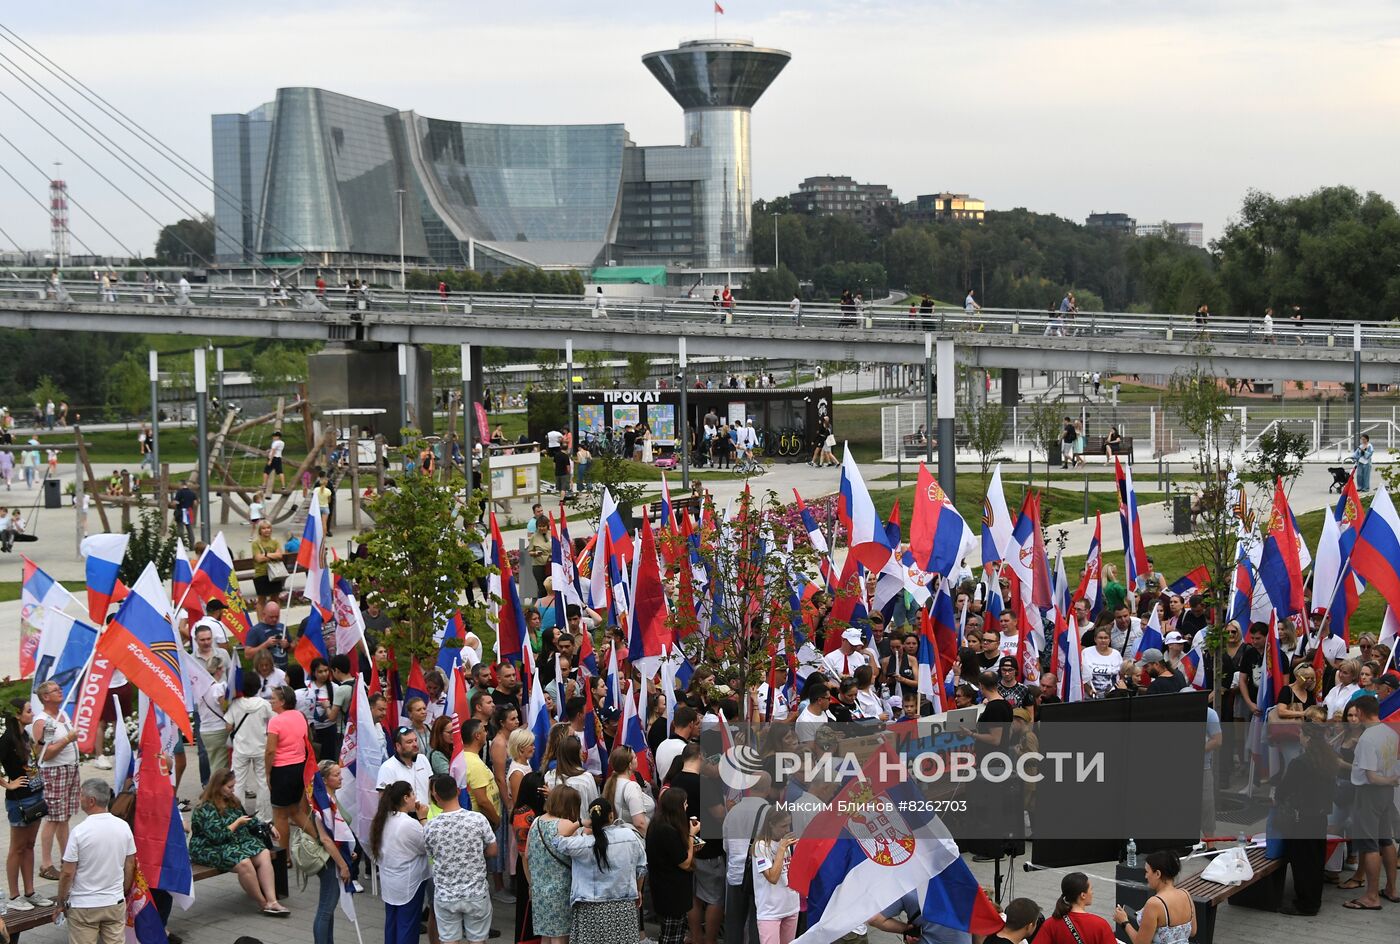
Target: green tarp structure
x=629, y=275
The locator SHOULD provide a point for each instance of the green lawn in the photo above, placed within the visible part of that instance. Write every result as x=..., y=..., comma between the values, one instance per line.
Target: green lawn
x=1058, y=505
x=9, y=590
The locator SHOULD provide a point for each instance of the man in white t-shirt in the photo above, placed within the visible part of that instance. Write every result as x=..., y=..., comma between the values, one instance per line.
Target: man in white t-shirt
x=1009, y=642
x=780, y=709
x=408, y=766
x=811, y=718
x=851, y=655
x=99, y=865
x=56, y=739
x=1375, y=773
x=685, y=726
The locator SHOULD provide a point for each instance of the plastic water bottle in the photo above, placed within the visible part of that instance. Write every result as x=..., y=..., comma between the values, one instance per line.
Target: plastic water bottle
x=1131, y=860
x=1243, y=839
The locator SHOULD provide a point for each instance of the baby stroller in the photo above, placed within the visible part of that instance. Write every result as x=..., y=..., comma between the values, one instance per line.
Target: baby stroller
x=1340, y=474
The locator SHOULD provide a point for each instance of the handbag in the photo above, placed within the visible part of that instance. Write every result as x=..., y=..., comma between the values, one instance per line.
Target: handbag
x=276, y=570
x=32, y=809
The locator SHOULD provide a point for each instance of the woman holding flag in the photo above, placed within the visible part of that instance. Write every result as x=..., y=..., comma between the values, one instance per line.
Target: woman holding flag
x=334, y=835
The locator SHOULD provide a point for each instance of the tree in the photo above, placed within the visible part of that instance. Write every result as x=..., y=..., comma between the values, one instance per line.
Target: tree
x=128, y=386
x=1201, y=406
x=1044, y=426
x=638, y=369
x=47, y=390
x=748, y=598
x=592, y=368
x=986, y=431
x=188, y=243
x=277, y=366
x=548, y=359
x=770, y=285
x=147, y=545
x=419, y=558
x=1279, y=455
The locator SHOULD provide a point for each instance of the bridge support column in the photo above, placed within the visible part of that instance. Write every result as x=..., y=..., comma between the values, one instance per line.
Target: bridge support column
x=947, y=454
x=1010, y=386
x=366, y=376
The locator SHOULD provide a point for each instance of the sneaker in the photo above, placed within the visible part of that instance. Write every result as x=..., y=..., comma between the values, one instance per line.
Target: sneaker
x=103, y=762
x=503, y=896
x=19, y=904
x=39, y=901
x=359, y=889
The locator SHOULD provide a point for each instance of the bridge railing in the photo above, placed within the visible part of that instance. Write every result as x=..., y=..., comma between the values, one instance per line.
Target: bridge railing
x=1027, y=326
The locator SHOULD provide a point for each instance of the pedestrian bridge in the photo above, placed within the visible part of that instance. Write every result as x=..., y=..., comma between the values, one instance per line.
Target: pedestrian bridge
x=1110, y=342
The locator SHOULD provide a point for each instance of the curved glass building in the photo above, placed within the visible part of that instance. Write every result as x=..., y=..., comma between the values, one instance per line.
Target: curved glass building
x=322, y=179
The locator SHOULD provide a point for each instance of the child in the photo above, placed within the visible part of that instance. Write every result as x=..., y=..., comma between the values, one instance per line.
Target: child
x=775, y=903
x=255, y=512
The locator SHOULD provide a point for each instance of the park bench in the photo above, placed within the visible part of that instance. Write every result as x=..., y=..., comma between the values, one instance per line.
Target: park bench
x=914, y=446
x=1264, y=892
x=17, y=921
x=1094, y=446
x=690, y=504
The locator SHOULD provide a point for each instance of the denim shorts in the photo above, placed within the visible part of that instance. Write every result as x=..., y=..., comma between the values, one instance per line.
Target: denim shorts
x=466, y=920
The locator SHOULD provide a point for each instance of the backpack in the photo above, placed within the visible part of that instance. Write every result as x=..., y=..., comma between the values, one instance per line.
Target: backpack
x=306, y=853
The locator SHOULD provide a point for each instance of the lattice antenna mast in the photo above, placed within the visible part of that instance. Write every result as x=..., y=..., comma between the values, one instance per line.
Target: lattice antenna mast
x=58, y=216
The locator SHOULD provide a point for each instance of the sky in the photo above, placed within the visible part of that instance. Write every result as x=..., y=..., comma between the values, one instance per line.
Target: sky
x=1162, y=110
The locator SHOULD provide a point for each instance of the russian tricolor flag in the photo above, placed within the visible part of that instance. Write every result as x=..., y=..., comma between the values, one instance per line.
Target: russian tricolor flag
x=141, y=643
x=214, y=579
x=1134, y=550
x=161, y=851
x=938, y=535
x=610, y=520
x=311, y=644
x=869, y=542
x=104, y=554
x=1151, y=637
x=809, y=522
x=1376, y=555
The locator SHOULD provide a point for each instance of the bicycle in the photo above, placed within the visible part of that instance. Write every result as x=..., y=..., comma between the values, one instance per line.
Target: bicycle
x=747, y=465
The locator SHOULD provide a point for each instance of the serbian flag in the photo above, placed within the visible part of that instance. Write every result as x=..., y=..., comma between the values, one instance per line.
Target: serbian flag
x=561, y=572
x=629, y=729
x=1275, y=677
x=161, y=851
x=510, y=616
x=312, y=642
x=1376, y=556
x=1334, y=560
x=619, y=542
x=141, y=644
x=1279, y=568
x=668, y=515
x=996, y=521
x=850, y=865
x=1390, y=708
x=143, y=924
x=1068, y=660
x=1192, y=583
x=938, y=535
x=646, y=618
x=104, y=553
x=869, y=542
x=215, y=579
x=1133, y=549
x=181, y=583
x=449, y=656
x=417, y=686
x=809, y=522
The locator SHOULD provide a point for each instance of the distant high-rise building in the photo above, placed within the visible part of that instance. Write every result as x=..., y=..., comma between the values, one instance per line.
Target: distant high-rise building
x=1117, y=222
x=937, y=207
x=841, y=196
x=1193, y=234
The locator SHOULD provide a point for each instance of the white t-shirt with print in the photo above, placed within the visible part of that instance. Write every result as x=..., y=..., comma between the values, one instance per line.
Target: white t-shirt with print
x=772, y=901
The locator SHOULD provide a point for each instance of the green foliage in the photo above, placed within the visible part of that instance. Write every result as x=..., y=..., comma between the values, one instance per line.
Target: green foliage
x=1279, y=455
x=770, y=285
x=1334, y=252
x=523, y=280
x=147, y=545
x=188, y=242
x=418, y=562
x=277, y=365
x=986, y=431
x=590, y=366
x=129, y=386
x=1044, y=425
x=546, y=410
x=614, y=474
x=47, y=390
x=638, y=369
x=548, y=358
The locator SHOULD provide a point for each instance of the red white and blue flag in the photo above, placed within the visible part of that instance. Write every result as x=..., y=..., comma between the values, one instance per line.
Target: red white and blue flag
x=215, y=579
x=181, y=583
x=938, y=535
x=1151, y=637
x=1091, y=582
x=313, y=536
x=141, y=643
x=997, y=524
x=866, y=534
x=629, y=728
x=161, y=850
x=809, y=523
x=1192, y=584
x=510, y=615
x=1067, y=661
x=311, y=644
x=850, y=864
x=1133, y=548
x=648, y=633
x=1376, y=556
x=143, y=924
x=619, y=544
x=1279, y=564
x=1332, y=570
x=104, y=554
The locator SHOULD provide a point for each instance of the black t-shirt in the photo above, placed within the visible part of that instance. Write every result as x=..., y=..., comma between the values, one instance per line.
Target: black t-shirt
x=672, y=888
x=996, y=711
x=1167, y=684
x=18, y=762
x=561, y=462
x=1190, y=624
x=501, y=699
x=656, y=734
x=1250, y=661
x=711, y=828
x=185, y=498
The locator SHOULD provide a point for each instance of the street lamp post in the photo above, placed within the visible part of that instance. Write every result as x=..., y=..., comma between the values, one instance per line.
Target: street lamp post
x=468, y=447
x=403, y=386
x=775, y=240
x=403, y=275
x=155, y=414
x=569, y=390
x=219, y=371
x=683, y=429
x=201, y=404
